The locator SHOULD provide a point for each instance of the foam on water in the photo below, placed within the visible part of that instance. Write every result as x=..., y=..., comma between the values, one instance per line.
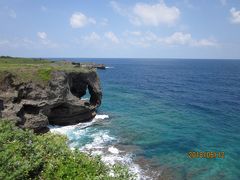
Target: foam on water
x=113, y=150
x=102, y=145
x=85, y=99
x=66, y=129
x=100, y=142
x=102, y=116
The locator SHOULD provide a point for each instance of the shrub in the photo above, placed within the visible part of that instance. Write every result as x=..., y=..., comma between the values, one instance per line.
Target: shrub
x=24, y=155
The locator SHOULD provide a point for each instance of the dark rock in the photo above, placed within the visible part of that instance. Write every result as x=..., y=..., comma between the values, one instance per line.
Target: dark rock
x=89, y=65
x=76, y=64
x=59, y=103
x=100, y=66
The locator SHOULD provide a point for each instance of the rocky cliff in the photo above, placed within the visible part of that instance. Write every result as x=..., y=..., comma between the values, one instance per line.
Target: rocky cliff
x=35, y=106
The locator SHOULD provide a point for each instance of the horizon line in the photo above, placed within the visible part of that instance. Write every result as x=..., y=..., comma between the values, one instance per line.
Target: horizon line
x=132, y=58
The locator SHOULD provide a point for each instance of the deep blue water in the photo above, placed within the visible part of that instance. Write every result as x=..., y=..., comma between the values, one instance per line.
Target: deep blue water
x=167, y=108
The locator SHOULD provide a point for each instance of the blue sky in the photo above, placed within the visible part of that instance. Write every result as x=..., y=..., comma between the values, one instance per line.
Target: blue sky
x=134, y=29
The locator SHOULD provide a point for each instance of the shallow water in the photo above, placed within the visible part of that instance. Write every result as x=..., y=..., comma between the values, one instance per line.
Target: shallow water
x=159, y=110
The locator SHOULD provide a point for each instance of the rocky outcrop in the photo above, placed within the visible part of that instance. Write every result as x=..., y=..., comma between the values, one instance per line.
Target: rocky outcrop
x=36, y=106
x=89, y=65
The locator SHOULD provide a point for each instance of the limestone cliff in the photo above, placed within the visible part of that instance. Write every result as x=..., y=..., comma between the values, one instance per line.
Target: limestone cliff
x=35, y=106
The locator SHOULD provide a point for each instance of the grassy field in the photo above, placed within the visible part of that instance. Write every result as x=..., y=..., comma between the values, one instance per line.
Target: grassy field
x=35, y=70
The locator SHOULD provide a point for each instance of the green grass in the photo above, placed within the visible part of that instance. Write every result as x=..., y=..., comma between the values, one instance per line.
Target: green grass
x=45, y=74
x=35, y=70
x=24, y=155
x=18, y=60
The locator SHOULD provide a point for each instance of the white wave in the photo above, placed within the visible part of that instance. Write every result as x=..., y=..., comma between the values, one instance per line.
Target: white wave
x=85, y=99
x=86, y=124
x=125, y=159
x=109, y=67
x=101, y=116
x=113, y=150
x=99, y=140
x=101, y=144
x=61, y=129
x=66, y=129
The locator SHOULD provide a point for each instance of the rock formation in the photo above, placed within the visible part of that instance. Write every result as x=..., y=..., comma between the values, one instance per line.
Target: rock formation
x=35, y=106
x=89, y=65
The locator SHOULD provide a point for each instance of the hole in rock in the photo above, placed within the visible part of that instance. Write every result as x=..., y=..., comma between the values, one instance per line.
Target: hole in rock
x=80, y=88
x=77, y=88
x=86, y=96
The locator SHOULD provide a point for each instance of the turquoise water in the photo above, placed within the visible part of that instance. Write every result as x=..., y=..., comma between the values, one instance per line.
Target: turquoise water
x=160, y=110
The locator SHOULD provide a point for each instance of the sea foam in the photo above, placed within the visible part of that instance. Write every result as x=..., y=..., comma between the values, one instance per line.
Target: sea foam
x=65, y=129
x=100, y=143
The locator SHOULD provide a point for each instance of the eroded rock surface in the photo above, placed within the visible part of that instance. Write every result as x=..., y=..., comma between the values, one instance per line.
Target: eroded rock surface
x=35, y=106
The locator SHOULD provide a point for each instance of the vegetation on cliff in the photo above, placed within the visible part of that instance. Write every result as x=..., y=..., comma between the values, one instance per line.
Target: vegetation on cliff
x=37, y=92
x=36, y=70
x=24, y=155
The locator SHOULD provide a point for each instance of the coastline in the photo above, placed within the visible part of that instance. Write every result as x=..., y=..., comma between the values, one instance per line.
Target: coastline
x=35, y=93
x=110, y=149
x=103, y=145
x=153, y=110
x=54, y=96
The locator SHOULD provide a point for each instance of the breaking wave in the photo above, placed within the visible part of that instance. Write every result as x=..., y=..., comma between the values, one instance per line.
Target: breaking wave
x=94, y=141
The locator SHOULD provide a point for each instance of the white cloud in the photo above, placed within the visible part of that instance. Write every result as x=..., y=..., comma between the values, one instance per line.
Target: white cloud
x=42, y=35
x=79, y=20
x=105, y=39
x=178, y=38
x=148, y=39
x=155, y=14
x=235, y=16
x=93, y=37
x=149, y=14
x=112, y=37
x=204, y=43
x=45, y=41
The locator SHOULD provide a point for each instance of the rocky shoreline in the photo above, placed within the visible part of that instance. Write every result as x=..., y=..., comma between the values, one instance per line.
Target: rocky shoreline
x=34, y=106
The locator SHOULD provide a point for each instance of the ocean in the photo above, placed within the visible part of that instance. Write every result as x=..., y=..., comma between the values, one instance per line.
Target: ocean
x=155, y=111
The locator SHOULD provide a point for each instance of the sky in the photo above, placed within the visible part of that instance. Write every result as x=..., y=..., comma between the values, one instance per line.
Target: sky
x=120, y=29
